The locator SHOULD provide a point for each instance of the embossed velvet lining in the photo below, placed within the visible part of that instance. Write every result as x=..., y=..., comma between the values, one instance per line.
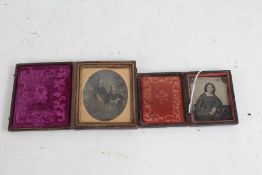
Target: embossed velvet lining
x=162, y=100
x=43, y=96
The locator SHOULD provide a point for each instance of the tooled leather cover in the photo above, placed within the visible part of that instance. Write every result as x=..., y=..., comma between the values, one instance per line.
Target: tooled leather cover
x=162, y=100
x=43, y=96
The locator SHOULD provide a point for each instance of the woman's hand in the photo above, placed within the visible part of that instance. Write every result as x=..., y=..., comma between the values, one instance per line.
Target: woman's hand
x=213, y=111
x=99, y=98
x=115, y=101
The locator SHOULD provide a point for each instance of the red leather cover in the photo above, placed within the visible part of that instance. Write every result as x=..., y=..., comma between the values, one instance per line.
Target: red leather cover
x=162, y=100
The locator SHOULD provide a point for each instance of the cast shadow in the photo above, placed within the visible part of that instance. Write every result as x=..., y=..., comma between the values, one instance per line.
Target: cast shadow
x=7, y=98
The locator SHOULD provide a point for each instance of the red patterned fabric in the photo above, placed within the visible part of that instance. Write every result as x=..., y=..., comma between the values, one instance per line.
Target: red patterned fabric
x=162, y=101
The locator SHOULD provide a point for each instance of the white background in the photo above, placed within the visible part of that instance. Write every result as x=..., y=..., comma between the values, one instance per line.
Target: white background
x=161, y=35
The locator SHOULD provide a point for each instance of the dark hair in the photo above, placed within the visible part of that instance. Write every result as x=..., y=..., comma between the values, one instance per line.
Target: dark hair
x=205, y=89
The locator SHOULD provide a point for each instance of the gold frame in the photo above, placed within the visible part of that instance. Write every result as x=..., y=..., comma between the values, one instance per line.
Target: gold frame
x=129, y=121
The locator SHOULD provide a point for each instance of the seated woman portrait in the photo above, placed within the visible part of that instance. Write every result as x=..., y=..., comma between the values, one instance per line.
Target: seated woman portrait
x=113, y=98
x=208, y=106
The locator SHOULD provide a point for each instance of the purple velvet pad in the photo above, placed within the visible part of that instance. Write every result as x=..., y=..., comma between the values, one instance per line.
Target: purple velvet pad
x=43, y=96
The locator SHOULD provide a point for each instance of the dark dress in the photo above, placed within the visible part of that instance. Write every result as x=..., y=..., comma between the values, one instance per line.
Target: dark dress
x=98, y=101
x=114, y=103
x=101, y=91
x=204, y=106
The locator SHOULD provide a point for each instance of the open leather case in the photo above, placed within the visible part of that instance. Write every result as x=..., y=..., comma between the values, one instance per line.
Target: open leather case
x=110, y=94
x=186, y=98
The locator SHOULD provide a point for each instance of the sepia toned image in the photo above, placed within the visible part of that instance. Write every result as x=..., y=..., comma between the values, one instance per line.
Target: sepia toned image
x=212, y=99
x=105, y=94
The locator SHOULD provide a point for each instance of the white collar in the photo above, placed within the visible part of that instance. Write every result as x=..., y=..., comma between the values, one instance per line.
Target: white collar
x=209, y=95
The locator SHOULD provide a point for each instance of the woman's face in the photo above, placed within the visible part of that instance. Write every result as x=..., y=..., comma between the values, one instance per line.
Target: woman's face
x=101, y=82
x=210, y=89
x=113, y=89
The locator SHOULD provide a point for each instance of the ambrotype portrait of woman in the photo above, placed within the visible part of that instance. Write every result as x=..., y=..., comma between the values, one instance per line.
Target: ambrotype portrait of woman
x=212, y=98
x=208, y=106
